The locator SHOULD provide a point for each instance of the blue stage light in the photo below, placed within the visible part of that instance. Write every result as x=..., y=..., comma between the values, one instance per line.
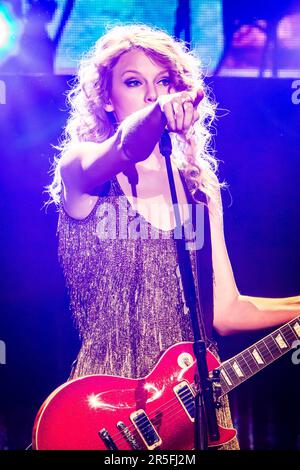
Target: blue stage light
x=10, y=30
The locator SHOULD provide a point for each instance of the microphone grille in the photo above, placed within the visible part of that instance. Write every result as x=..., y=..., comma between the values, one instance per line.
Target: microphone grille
x=165, y=144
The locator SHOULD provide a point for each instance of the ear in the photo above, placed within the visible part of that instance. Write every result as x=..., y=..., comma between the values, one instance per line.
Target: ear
x=109, y=107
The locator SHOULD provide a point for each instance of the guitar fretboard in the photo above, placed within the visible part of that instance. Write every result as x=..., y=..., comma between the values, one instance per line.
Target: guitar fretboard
x=250, y=361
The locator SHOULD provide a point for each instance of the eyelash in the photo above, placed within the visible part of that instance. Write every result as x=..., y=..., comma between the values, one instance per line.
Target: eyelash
x=129, y=82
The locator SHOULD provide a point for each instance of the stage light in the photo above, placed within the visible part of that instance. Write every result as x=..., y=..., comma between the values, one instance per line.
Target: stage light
x=10, y=30
x=4, y=32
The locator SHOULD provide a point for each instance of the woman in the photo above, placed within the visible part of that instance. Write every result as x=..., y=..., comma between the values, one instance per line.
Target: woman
x=126, y=292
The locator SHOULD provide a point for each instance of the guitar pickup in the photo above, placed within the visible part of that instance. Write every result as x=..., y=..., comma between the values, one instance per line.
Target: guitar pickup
x=145, y=429
x=185, y=395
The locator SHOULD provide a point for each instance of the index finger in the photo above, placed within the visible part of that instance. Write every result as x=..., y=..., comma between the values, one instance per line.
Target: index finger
x=198, y=96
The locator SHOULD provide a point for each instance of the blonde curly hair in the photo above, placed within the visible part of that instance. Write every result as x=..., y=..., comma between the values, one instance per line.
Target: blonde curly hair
x=88, y=120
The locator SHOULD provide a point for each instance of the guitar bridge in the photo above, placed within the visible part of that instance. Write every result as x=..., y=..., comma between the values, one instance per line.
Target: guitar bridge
x=127, y=434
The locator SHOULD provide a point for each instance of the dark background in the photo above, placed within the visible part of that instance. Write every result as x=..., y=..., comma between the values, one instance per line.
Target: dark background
x=257, y=139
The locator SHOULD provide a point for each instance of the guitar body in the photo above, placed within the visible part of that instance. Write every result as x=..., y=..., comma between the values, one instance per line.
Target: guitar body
x=154, y=412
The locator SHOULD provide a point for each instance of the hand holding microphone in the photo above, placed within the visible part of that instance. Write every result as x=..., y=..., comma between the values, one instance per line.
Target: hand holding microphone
x=180, y=109
x=145, y=127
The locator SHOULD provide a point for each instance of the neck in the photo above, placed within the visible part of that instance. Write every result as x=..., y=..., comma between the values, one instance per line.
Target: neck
x=154, y=162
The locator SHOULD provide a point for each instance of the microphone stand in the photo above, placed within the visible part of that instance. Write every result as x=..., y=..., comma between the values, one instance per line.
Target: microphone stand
x=205, y=408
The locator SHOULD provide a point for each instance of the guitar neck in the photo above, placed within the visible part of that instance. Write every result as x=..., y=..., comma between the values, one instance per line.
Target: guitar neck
x=244, y=365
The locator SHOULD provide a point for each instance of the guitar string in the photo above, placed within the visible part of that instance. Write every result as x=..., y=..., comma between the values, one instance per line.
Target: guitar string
x=232, y=374
x=241, y=380
x=262, y=347
x=169, y=403
x=119, y=436
x=252, y=363
x=175, y=400
x=149, y=417
x=174, y=416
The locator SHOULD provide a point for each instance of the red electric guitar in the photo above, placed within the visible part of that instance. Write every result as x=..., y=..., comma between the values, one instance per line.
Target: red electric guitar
x=155, y=412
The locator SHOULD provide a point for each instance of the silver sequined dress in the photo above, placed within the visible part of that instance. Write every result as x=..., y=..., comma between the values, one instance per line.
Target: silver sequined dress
x=125, y=290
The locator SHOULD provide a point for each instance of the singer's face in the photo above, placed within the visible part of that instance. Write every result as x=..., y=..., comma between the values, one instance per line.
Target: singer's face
x=137, y=81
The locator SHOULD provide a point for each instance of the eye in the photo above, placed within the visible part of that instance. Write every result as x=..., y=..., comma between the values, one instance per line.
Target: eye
x=132, y=83
x=165, y=81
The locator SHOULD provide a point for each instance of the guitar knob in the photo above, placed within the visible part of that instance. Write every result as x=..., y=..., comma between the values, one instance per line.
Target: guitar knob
x=215, y=376
x=185, y=360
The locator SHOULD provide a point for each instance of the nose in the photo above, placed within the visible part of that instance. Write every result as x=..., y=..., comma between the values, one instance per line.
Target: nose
x=151, y=94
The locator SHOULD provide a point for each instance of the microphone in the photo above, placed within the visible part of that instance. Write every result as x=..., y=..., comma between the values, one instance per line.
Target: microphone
x=165, y=144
